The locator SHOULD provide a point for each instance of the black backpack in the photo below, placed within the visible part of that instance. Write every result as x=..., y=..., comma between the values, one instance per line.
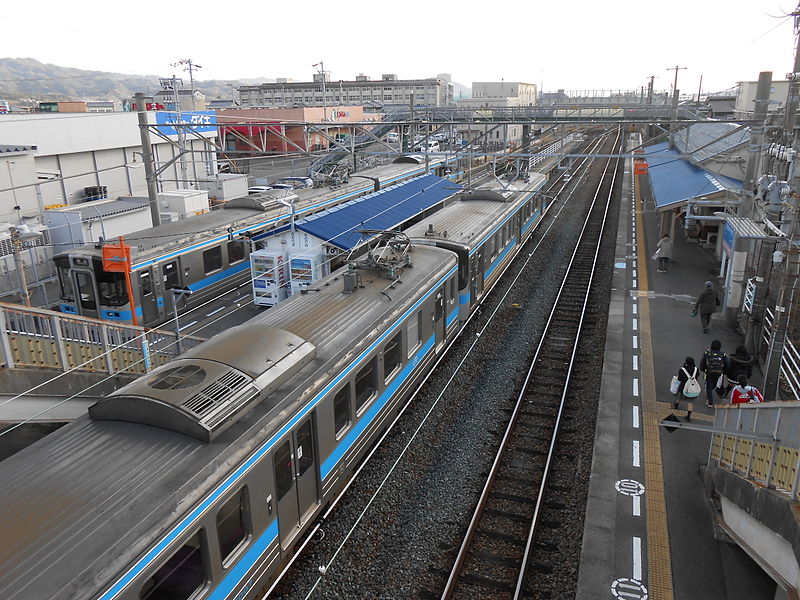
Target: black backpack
x=715, y=362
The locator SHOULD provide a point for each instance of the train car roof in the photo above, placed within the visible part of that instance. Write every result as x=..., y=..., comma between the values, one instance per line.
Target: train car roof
x=150, y=243
x=84, y=503
x=470, y=218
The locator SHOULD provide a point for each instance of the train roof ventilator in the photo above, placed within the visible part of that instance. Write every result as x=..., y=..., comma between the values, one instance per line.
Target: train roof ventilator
x=200, y=396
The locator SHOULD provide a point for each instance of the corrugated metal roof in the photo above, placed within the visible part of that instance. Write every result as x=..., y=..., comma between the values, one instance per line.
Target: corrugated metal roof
x=382, y=210
x=15, y=149
x=701, y=136
x=105, y=208
x=676, y=180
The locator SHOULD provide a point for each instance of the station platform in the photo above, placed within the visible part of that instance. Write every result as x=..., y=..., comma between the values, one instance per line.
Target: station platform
x=649, y=529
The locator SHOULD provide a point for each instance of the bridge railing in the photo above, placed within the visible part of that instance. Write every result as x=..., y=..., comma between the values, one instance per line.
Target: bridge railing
x=34, y=337
x=763, y=444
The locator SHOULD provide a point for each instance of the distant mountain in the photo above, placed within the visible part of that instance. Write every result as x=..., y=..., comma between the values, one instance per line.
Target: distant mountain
x=27, y=79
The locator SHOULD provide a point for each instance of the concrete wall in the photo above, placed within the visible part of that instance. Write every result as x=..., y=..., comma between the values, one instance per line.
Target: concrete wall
x=93, y=149
x=18, y=168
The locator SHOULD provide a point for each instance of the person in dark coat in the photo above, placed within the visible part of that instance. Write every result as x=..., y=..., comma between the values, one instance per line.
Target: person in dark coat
x=741, y=363
x=688, y=368
x=714, y=363
x=706, y=305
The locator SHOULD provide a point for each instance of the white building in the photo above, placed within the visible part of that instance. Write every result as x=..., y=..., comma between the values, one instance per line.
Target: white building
x=503, y=93
x=362, y=91
x=746, y=96
x=75, y=151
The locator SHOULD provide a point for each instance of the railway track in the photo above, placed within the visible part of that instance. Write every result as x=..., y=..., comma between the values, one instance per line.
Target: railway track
x=404, y=544
x=498, y=545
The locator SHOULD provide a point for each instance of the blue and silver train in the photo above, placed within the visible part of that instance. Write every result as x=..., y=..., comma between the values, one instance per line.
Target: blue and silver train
x=202, y=479
x=207, y=254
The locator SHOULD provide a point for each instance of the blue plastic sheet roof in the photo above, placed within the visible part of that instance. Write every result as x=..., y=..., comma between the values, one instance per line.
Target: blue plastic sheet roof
x=381, y=210
x=676, y=180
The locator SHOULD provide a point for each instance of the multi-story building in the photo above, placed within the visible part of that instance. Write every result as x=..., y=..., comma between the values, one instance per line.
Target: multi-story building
x=188, y=99
x=510, y=93
x=746, y=96
x=363, y=91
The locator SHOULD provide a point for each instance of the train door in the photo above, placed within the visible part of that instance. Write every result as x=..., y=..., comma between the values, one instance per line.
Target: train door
x=147, y=296
x=86, y=293
x=476, y=275
x=438, y=319
x=294, y=463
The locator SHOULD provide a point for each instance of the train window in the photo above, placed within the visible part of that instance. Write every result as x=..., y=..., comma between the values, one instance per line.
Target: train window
x=341, y=410
x=172, y=276
x=413, y=333
x=233, y=526
x=145, y=283
x=305, y=448
x=112, y=288
x=365, y=384
x=392, y=356
x=235, y=252
x=453, y=291
x=181, y=576
x=282, y=459
x=212, y=259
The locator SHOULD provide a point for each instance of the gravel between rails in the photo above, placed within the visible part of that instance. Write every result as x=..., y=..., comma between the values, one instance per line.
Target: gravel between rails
x=409, y=536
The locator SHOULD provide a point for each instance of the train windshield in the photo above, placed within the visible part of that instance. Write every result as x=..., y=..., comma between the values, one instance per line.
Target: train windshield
x=112, y=289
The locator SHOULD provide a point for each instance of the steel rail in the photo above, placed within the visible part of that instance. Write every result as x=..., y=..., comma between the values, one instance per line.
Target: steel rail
x=329, y=510
x=472, y=528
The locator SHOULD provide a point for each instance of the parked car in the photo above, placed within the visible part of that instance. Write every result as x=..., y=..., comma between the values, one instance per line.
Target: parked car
x=392, y=137
x=257, y=189
x=429, y=146
x=296, y=183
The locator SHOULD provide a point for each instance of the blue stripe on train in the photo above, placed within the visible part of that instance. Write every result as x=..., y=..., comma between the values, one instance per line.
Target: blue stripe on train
x=347, y=442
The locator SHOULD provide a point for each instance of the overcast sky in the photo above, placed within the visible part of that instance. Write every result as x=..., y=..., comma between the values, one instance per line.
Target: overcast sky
x=570, y=44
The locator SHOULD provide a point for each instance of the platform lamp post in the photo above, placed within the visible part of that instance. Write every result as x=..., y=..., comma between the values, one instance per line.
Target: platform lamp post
x=178, y=293
x=20, y=235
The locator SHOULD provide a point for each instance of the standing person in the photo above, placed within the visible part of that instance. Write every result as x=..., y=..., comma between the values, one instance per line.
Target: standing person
x=744, y=393
x=714, y=363
x=741, y=363
x=706, y=305
x=664, y=252
x=687, y=372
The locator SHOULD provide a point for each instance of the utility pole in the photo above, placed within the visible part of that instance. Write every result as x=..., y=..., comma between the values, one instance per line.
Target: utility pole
x=174, y=83
x=699, y=90
x=321, y=71
x=650, y=90
x=16, y=244
x=190, y=66
x=147, y=158
x=736, y=268
x=673, y=125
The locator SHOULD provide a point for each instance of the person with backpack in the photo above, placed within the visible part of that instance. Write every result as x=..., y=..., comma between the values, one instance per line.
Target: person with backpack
x=688, y=388
x=714, y=364
x=743, y=393
x=706, y=305
x=741, y=363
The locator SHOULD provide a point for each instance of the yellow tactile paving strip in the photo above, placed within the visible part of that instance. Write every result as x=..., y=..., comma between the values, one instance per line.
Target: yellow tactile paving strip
x=659, y=564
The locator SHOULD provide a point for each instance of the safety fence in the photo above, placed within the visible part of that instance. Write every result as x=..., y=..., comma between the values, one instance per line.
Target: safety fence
x=790, y=359
x=761, y=443
x=34, y=337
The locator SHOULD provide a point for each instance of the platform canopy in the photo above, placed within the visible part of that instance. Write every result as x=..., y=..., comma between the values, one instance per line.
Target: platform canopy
x=675, y=180
x=382, y=210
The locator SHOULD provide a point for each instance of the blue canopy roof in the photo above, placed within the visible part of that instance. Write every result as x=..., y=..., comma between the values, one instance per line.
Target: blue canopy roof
x=676, y=180
x=385, y=209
